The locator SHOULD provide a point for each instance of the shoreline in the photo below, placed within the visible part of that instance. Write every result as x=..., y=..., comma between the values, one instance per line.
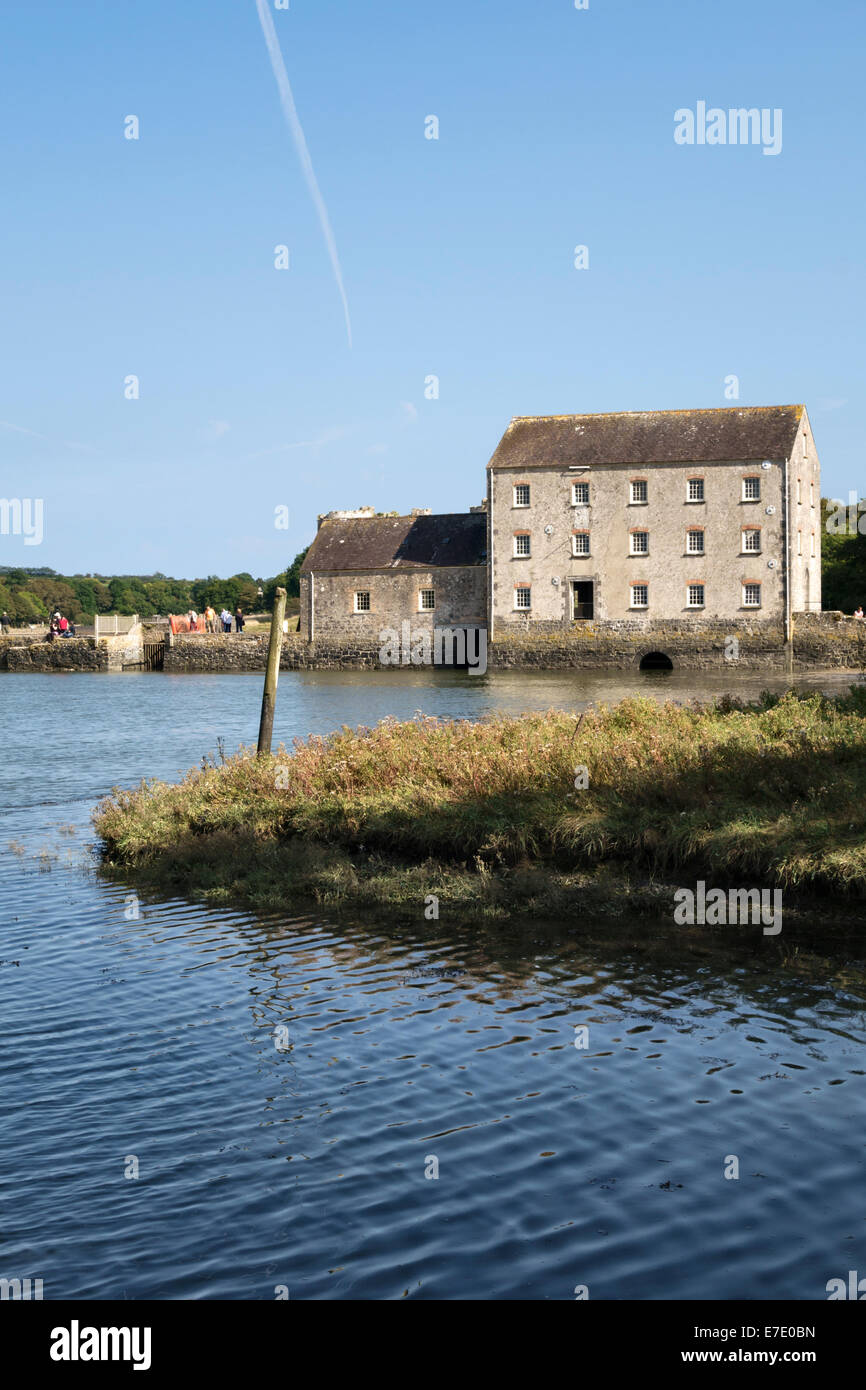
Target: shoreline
x=610, y=908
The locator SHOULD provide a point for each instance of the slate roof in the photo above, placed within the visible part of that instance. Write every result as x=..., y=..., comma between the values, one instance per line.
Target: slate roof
x=649, y=436
x=398, y=542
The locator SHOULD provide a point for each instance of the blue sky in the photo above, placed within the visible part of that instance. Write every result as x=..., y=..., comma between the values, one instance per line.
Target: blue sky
x=155, y=256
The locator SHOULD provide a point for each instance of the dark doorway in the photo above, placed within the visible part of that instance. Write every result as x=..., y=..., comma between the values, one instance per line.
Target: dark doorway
x=656, y=661
x=582, y=599
x=154, y=656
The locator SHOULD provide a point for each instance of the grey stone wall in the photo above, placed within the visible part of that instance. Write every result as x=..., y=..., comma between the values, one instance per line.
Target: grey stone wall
x=820, y=640
x=64, y=654
x=17, y=637
x=620, y=645
x=239, y=652
x=124, y=649
x=460, y=596
x=351, y=654
x=829, y=639
x=234, y=651
x=22, y=651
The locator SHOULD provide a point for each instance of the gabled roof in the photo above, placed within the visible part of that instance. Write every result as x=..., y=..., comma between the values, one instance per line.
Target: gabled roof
x=398, y=542
x=649, y=436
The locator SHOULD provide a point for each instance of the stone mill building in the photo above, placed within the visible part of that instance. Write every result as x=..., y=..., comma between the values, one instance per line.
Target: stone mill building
x=667, y=515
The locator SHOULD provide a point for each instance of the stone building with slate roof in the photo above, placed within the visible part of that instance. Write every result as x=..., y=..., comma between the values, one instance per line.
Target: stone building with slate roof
x=660, y=515
x=365, y=573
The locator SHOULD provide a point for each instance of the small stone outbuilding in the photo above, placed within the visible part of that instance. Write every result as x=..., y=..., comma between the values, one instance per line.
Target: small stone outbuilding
x=365, y=573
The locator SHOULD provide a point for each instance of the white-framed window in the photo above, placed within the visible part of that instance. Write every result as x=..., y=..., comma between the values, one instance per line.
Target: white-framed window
x=640, y=595
x=751, y=540
x=799, y=492
x=638, y=542
x=751, y=595
x=811, y=494
x=580, y=543
x=522, y=544
x=695, y=596
x=638, y=490
x=799, y=542
x=695, y=490
x=580, y=494
x=752, y=489
x=812, y=549
x=521, y=494
x=362, y=601
x=426, y=600
x=694, y=541
x=522, y=596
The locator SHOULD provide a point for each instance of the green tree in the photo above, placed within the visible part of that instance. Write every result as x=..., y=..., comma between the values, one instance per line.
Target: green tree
x=290, y=580
x=843, y=559
x=26, y=607
x=55, y=594
x=293, y=574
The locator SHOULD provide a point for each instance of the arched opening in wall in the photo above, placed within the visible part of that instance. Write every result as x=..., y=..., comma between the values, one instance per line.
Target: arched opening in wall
x=656, y=661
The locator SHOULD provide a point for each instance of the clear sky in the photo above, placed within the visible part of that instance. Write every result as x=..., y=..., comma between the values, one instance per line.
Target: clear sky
x=155, y=257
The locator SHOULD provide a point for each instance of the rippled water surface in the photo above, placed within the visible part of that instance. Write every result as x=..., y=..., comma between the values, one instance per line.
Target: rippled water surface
x=285, y=1082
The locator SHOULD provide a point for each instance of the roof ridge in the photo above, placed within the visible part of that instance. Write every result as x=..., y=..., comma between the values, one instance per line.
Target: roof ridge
x=395, y=516
x=698, y=410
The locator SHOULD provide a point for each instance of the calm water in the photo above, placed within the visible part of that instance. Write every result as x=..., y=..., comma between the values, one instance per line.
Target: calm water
x=305, y=1167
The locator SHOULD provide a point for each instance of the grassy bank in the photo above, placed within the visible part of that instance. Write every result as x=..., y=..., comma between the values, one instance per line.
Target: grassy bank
x=486, y=815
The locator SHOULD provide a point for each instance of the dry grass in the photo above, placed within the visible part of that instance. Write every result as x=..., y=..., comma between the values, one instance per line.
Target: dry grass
x=772, y=794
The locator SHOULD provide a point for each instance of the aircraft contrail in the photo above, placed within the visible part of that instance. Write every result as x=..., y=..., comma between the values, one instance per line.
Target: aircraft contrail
x=291, y=114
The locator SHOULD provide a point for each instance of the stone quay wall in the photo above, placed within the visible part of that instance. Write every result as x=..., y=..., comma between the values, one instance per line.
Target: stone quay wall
x=696, y=645
x=829, y=639
x=821, y=640
x=238, y=651
x=24, y=651
x=17, y=637
x=65, y=654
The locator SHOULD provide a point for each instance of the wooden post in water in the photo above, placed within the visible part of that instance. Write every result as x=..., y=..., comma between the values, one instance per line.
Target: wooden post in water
x=269, y=698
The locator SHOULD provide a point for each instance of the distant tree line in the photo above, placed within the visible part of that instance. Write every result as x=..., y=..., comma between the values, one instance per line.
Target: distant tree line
x=31, y=595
